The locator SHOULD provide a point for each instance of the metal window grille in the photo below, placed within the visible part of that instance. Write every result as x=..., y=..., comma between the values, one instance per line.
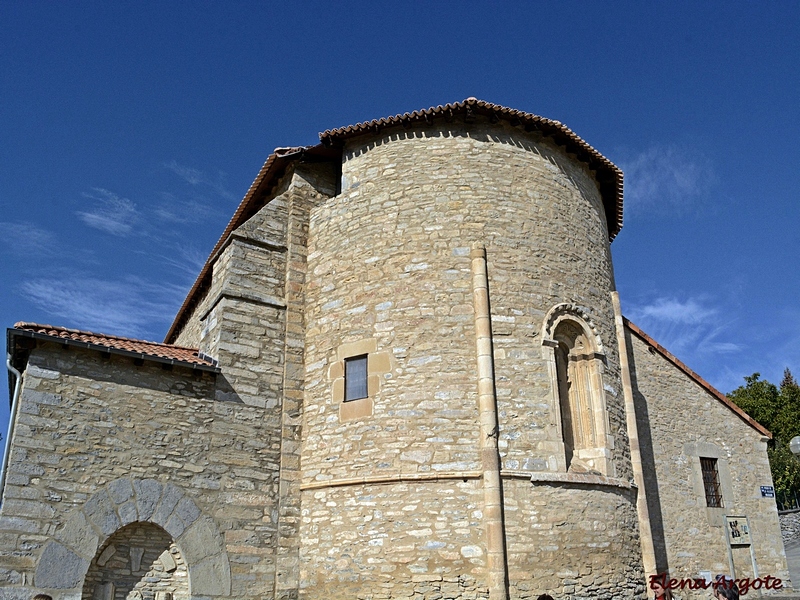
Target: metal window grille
x=711, y=482
x=355, y=378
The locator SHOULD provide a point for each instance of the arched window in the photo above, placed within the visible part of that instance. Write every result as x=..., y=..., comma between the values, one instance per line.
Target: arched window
x=575, y=358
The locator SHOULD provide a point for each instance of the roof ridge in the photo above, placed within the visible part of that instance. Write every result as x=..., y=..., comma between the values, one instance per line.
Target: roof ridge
x=695, y=377
x=471, y=101
x=609, y=177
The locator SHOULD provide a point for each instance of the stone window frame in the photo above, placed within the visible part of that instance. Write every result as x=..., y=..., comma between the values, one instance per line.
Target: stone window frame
x=599, y=455
x=709, y=469
x=694, y=451
x=380, y=365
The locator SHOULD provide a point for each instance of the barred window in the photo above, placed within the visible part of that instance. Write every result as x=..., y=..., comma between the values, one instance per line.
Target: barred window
x=711, y=482
x=355, y=378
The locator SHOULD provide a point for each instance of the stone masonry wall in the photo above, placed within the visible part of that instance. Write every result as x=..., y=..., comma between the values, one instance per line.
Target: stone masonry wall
x=87, y=426
x=679, y=422
x=252, y=321
x=267, y=229
x=312, y=184
x=790, y=527
x=141, y=558
x=389, y=274
x=426, y=537
x=565, y=534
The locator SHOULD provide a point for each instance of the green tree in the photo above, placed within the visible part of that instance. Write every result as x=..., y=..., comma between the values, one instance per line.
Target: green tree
x=758, y=398
x=786, y=424
x=777, y=409
x=785, y=468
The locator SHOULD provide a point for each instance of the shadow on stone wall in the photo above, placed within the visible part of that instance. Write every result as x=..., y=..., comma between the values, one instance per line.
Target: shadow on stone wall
x=224, y=391
x=122, y=370
x=176, y=380
x=648, y=464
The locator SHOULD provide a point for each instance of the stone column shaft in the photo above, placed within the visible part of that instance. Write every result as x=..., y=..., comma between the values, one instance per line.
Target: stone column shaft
x=487, y=406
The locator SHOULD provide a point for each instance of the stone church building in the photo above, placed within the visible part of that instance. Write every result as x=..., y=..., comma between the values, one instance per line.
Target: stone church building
x=402, y=373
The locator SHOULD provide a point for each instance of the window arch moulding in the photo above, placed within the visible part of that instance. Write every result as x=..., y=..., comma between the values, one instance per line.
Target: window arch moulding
x=575, y=358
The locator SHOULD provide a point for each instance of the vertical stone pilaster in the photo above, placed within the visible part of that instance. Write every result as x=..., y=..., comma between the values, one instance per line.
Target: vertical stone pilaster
x=645, y=532
x=489, y=430
x=302, y=196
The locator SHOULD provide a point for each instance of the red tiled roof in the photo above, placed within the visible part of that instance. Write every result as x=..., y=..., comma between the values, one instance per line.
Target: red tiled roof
x=697, y=379
x=608, y=175
x=255, y=198
x=116, y=344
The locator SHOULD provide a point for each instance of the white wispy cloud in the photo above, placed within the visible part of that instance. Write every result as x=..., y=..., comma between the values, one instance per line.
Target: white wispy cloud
x=688, y=328
x=769, y=349
x=193, y=258
x=130, y=306
x=27, y=239
x=188, y=174
x=197, y=178
x=672, y=310
x=187, y=259
x=111, y=213
x=173, y=210
x=722, y=342
x=666, y=178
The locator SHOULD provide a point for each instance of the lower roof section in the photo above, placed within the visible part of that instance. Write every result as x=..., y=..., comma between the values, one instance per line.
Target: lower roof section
x=23, y=337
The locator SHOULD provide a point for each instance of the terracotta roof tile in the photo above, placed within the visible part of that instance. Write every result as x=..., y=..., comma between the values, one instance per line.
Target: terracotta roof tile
x=609, y=176
x=144, y=349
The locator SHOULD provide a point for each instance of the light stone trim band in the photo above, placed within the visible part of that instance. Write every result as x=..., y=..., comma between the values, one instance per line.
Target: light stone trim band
x=545, y=477
x=393, y=478
x=489, y=430
x=645, y=532
x=251, y=297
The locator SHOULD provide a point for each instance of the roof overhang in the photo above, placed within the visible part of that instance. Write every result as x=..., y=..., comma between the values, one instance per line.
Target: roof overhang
x=608, y=176
x=20, y=342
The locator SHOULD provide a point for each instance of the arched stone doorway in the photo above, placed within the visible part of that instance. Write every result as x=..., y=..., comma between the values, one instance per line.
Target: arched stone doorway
x=78, y=545
x=139, y=562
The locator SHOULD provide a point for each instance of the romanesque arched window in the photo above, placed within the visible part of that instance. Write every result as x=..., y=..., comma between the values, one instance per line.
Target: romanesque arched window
x=575, y=358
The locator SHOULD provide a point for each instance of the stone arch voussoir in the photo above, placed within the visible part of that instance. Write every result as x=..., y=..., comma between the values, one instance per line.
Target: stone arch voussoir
x=576, y=314
x=65, y=559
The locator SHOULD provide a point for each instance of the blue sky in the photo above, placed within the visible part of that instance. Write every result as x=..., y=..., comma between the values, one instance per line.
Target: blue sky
x=130, y=131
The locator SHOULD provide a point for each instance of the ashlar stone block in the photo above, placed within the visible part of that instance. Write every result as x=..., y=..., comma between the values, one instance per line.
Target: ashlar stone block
x=59, y=568
x=212, y=577
x=187, y=511
x=200, y=540
x=169, y=500
x=100, y=510
x=120, y=490
x=148, y=493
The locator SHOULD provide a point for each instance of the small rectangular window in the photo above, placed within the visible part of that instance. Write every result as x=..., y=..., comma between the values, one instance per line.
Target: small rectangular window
x=711, y=482
x=355, y=378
